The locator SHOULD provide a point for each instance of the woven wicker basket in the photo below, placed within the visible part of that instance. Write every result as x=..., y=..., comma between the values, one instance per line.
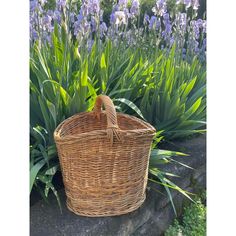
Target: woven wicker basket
x=104, y=159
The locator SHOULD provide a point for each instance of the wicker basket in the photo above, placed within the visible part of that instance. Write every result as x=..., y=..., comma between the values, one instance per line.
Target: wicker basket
x=104, y=159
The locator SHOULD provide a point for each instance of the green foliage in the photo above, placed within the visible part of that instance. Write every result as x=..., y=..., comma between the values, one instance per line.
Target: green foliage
x=59, y=87
x=175, y=230
x=159, y=157
x=174, y=97
x=169, y=92
x=194, y=220
x=193, y=223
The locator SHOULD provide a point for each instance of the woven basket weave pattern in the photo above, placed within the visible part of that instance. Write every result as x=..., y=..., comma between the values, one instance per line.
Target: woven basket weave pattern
x=104, y=160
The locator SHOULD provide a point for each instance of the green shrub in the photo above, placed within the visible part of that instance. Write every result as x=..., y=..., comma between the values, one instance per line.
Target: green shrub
x=175, y=230
x=193, y=223
x=194, y=220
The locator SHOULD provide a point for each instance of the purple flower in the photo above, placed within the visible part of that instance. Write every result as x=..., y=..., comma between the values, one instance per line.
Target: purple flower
x=103, y=28
x=118, y=18
x=85, y=28
x=61, y=3
x=50, y=13
x=154, y=23
x=90, y=43
x=33, y=34
x=57, y=16
x=167, y=23
x=76, y=27
x=172, y=40
x=188, y=3
x=194, y=35
x=180, y=28
x=127, y=14
x=134, y=10
x=181, y=22
x=115, y=8
x=81, y=25
x=88, y=18
x=122, y=3
x=47, y=20
x=146, y=19
x=160, y=8
x=84, y=10
x=33, y=5
x=47, y=23
x=199, y=23
x=195, y=29
x=94, y=7
x=112, y=18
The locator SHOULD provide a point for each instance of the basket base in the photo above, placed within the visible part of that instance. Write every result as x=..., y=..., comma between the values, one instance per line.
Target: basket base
x=131, y=209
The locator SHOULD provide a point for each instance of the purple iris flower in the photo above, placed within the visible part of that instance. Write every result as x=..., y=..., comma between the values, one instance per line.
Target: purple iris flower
x=33, y=34
x=160, y=8
x=33, y=5
x=122, y=3
x=166, y=20
x=134, y=10
x=181, y=22
x=61, y=3
x=146, y=19
x=112, y=18
x=127, y=14
x=94, y=7
x=103, y=28
x=57, y=16
x=90, y=43
x=155, y=23
x=195, y=26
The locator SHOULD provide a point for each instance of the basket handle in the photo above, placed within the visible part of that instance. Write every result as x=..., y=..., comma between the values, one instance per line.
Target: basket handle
x=112, y=125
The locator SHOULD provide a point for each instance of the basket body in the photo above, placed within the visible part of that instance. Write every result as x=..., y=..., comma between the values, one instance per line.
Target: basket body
x=100, y=178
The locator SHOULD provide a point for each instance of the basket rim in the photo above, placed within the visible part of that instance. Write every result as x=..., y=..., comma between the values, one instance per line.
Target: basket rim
x=149, y=130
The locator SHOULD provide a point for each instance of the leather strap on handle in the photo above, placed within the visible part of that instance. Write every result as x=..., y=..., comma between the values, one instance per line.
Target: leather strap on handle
x=112, y=125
